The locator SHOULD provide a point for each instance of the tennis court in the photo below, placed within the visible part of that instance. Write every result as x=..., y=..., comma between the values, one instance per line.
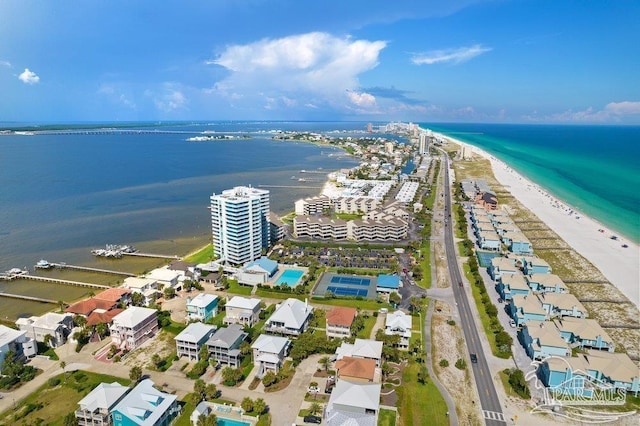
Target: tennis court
x=346, y=286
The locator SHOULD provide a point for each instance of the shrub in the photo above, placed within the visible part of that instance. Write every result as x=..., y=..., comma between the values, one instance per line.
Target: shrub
x=53, y=382
x=451, y=322
x=461, y=364
x=519, y=384
x=444, y=363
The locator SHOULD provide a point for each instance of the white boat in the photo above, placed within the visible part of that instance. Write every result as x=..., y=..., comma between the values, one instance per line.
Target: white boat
x=43, y=264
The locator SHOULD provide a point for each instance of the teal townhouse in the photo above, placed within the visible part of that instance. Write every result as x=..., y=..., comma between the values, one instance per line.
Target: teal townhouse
x=562, y=305
x=503, y=228
x=584, y=333
x=524, y=308
x=145, y=405
x=479, y=214
x=542, y=339
x=502, y=266
x=202, y=307
x=513, y=285
x=482, y=227
x=577, y=375
x=547, y=283
x=517, y=243
x=489, y=240
x=534, y=265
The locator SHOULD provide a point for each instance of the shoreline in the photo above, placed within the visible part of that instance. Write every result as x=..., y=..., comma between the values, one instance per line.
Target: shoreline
x=619, y=265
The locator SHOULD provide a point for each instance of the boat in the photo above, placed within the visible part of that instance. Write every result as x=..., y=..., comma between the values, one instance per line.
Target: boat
x=43, y=264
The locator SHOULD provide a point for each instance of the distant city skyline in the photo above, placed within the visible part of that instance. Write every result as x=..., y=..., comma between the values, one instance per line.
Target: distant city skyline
x=499, y=61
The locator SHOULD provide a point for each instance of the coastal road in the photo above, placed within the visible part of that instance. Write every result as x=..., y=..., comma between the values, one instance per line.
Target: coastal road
x=489, y=402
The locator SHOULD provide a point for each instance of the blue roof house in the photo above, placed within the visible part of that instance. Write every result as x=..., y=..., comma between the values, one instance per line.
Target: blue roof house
x=387, y=283
x=145, y=405
x=512, y=285
x=500, y=266
x=265, y=264
x=526, y=308
x=542, y=339
x=202, y=307
x=534, y=265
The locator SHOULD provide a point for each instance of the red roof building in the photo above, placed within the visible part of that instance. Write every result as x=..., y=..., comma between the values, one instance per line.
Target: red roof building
x=339, y=320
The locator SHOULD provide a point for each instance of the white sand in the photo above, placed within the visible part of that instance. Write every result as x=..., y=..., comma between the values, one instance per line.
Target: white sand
x=621, y=266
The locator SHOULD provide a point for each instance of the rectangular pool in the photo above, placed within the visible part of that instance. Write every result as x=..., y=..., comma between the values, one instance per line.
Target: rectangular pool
x=230, y=422
x=290, y=277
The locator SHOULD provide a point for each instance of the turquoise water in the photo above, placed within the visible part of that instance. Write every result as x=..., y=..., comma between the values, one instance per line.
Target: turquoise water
x=595, y=169
x=231, y=422
x=290, y=277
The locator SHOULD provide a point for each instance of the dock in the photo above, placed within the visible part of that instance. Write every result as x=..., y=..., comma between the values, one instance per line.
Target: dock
x=58, y=281
x=159, y=256
x=289, y=186
x=31, y=298
x=86, y=268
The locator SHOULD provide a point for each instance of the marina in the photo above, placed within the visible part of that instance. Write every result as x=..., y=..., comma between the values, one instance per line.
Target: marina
x=30, y=298
x=117, y=251
x=43, y=264
x=59, y=281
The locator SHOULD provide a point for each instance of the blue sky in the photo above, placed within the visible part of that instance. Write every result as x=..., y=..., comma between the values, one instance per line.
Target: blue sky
x=424, y=60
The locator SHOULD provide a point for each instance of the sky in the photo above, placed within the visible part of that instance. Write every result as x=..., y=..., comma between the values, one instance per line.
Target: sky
x=519, y=61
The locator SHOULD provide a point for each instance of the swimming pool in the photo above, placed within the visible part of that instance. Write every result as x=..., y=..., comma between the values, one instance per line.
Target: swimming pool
x=230, y=422
x=290, y=277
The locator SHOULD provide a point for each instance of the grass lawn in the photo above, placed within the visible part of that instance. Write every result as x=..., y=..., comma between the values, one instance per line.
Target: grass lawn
x=236, y=288
x=347, y=216
x=49, y=404
x=420, y=404
x=371, y=305
x=264, y=292
x=386, y=417
x=183, y=419
x=203, y=255
x=504, y=377
x=425, y=264
x=484, y=318
x=365, y=333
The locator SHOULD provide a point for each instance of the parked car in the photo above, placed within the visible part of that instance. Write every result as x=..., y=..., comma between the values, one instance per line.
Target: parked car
x=312, y=419
x=512, y=323
x=474, y=358
x=313, y=389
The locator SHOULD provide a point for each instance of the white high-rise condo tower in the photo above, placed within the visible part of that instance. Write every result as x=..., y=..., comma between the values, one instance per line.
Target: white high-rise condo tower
x=239, y=223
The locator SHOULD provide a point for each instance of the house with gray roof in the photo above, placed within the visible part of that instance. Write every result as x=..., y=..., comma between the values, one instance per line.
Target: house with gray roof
x=191, y=339
x=361, y=348
x=224, y=345
x=354, y=404
x=95, y=408
x=290, y=317
x=269, y=353
x=146, y=406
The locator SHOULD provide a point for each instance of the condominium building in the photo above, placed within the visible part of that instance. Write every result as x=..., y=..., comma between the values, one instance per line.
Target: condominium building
x=239, y=222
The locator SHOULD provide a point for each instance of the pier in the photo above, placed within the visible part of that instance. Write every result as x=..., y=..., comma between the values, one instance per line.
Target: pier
x=85, y=268
x=289, y=186
x=58, y=281
x=159, y=256
x=31, y=298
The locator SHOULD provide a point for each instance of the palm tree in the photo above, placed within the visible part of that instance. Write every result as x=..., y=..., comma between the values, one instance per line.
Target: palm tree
x=314, y=408
x=63, y=365
x=325, y=362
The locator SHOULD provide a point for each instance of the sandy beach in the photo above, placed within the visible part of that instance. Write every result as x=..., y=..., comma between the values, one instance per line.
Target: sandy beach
x=620, y=265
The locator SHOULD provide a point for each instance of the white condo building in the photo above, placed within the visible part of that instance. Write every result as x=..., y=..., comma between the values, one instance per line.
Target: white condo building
x=239, y=222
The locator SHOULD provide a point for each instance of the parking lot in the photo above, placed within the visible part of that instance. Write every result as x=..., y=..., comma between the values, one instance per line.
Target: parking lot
x=341, y=257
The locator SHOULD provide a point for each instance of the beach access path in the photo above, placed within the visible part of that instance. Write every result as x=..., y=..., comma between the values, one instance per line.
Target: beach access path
x=620, y=265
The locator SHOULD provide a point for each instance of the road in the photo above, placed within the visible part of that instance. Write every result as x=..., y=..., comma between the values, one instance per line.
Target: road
x=489, y=402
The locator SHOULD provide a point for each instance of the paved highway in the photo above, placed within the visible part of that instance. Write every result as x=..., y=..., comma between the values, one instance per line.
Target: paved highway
x=489, y=402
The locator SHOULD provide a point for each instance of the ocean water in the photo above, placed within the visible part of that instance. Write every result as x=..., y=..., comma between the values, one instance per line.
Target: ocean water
x=595, y=169
x=63, y=194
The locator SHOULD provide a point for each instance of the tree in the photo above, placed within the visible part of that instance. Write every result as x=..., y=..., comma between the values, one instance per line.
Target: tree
x=70, y=419
x=269, y=378
x=519, y=384
x=423, y=374
x=63, y=365
x=169, y=293
x=259, y=406
x=47, y=339
x=79, y=320
x=102, y=329
x=210, y=392
x=199, y=388
x=314, y=408
x=137, y=299
x=395, y=298
x=207, y=420
x=245, y=348
x=231, y=376
x=135, y=374
x=247, y=404
x=61, y=304
x=325, y=362
x=386, y=370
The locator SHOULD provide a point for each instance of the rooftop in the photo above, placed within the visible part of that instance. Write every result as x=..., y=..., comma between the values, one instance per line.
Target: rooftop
x=242, y=303
x=341, y=316
x=583, y=328
x=202, y=300
x=133, y=316
x=388, y=281
x=112, y=294
x=8, y=335
x=144, y=404
x=104, y=396
x=292, y=312
x=356, y=367
x=270, y=344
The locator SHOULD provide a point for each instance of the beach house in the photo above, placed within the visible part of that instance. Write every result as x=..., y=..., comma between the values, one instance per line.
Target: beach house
x=562, y=305
x=517, y=243
x=242, y=310
x=523, y=308
x=512, y=285
x=593, y=369
x=500, y=266
x=489, y=240
x=145, y=286
x=357, y=370
x=134, y=326
x=547, y=283
x=190, y=340
x=399, y=324
x=95, y=408
x=584, y=333
x=353, y=403
x=534, y=265
x=361, y=348
x=145, y=405
x=165, y=278
x=56, y=326
x=269, y=353
x=202, y=307
x=542, y=339
x=290, y=317
x=339, y=320
x=224, y=345
x=16, y=341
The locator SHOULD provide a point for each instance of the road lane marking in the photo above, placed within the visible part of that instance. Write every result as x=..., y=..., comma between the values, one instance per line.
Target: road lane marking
x=492, y=415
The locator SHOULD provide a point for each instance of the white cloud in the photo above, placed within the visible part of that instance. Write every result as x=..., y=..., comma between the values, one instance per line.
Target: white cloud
x=316, y=69
x=455, y=56
x=362, y=99
x=5, y=64
x=116, y=95
x=613, y=112
x=623, y=108
x=29, y=77
x=171, y=98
